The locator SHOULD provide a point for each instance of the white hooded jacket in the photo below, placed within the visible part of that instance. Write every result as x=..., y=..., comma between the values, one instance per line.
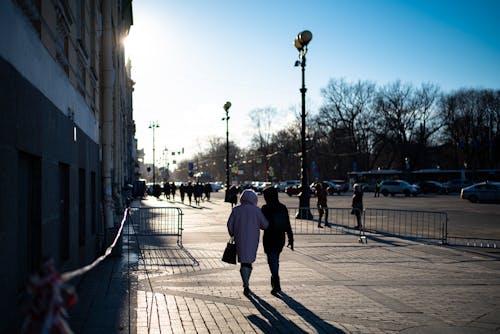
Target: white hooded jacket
x=244, y=223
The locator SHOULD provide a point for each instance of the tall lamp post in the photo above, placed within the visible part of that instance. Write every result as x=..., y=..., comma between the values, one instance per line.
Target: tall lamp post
x=154, y=125
x=226, y=107
x=301, y=42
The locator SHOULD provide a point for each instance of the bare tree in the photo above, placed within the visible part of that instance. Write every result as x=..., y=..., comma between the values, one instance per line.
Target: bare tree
x=398, y=115
x=469, y=117
x=345, y=118
x=262, y=119
x=426, y=98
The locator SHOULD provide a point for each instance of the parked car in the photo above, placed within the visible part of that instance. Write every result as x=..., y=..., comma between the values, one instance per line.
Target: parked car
x=293, y=190
x=331, y=188
x=259, y=187
x=216, y=186
x=366, y=187
x=394, y=187
x=455, y=186
x=296, y=190
x=482, y=192
x=285, y=184
x=432, y=187
x=342, y=185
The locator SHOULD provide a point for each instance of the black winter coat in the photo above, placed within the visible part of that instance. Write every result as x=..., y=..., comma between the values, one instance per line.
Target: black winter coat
x=279, y=225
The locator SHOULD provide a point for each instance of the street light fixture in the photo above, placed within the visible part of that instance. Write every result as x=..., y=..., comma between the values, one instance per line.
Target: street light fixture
x=301, y=42
x=154, y=125
x=226, y=107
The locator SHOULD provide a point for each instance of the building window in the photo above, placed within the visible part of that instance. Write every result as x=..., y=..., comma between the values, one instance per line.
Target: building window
x=63, y=24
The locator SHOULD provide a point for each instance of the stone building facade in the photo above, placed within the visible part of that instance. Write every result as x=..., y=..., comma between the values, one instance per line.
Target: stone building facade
x=66, y=136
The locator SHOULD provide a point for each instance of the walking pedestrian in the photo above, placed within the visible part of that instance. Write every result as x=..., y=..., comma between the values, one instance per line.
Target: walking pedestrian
x=166, y=190
x=244, y=224
x=198, y=192
x=173, y=189
x=182, y=191
x=377, y=189
x=322, y=204
x=233, y=195
x=274, y=236
x=189, y=191
x=357, y=204
x=207, y=188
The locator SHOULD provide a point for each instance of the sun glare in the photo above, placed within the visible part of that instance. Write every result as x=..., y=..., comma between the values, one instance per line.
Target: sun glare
x=128, y=43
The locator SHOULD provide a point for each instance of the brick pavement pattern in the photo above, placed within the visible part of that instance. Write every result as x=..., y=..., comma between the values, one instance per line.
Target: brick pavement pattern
x=331, y=284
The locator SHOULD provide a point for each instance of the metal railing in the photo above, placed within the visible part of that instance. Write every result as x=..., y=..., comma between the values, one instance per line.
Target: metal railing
x=156, y=222
x=157, y=233
x=428, y=226
x=423, y=225
x=473, y=242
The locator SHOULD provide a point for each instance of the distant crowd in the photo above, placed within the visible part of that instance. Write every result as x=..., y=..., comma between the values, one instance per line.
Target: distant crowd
x=192, y=190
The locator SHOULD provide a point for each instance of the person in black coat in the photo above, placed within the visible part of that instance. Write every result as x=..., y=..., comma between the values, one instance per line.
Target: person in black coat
x=357, y=205
x=189, y=191
x=197, y=192
x=274, y=236
x=182, y=191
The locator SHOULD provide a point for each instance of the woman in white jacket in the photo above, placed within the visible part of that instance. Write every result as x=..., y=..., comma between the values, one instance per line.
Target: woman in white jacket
x=244, y=224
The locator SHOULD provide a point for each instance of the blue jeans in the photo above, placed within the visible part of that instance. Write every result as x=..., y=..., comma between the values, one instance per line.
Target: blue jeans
x=273, y=260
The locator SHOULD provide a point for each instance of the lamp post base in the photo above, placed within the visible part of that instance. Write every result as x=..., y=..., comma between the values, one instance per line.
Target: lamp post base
x=304, y=207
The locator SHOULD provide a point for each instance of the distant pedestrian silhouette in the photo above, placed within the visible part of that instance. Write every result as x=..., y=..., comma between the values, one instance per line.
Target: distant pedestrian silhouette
x=357, y=204
x=189, y=191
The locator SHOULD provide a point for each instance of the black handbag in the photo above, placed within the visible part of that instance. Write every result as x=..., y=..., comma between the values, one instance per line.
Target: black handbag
x=229, y=255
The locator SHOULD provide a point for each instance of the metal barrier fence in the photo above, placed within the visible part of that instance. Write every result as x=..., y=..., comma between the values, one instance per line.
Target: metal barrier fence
x=423, y=225
x=473, y=242
x=340, y=221
x=156, y=222
x=157, y=232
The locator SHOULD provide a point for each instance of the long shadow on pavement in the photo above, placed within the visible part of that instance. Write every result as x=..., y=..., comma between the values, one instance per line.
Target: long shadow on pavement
x=315, y=321
x=277, y=323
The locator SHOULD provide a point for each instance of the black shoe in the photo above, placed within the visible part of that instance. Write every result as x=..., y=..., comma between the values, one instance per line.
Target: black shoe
x=328, y=225
x=275, y=283
x=319, y=226
x=246, y=292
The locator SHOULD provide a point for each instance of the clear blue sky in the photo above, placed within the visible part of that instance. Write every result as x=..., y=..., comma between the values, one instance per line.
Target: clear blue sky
x=191, y=56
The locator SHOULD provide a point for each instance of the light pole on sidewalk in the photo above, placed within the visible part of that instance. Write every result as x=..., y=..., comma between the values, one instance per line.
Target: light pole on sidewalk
x=154, y=125
x=301, y=42
x=226, y=107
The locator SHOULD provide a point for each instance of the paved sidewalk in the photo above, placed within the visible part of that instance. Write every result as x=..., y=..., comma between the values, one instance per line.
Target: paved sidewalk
x=331, y=284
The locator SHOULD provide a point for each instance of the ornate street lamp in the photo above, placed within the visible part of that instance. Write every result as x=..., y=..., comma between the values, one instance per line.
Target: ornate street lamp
x=301, y=42
x=154, y=125
x=226, y=107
